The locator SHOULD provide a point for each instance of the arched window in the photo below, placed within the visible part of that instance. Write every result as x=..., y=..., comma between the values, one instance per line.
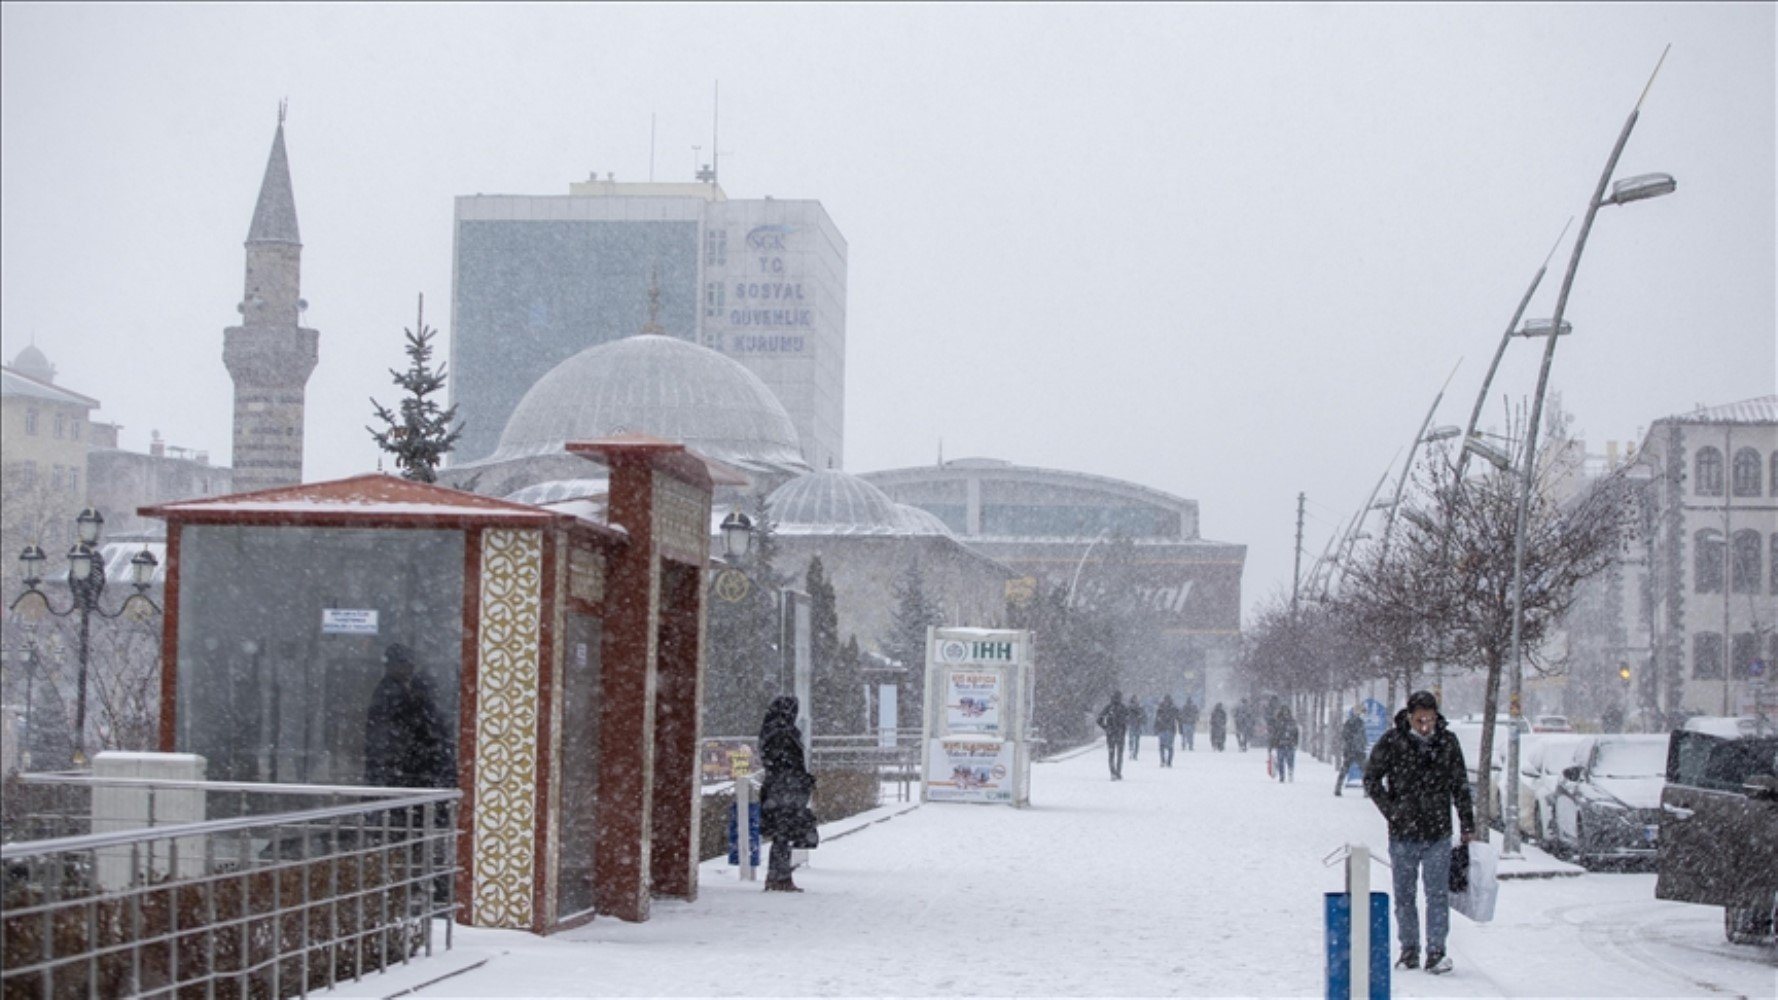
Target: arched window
x=1707, y=562
x=1707, y=473
x=1707, y=656
x=1773, y=563
x=1772, y=477
x=1745, y=565
x=1746, y=473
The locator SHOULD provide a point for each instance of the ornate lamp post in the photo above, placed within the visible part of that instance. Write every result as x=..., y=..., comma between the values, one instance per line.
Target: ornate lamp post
x=86, y=584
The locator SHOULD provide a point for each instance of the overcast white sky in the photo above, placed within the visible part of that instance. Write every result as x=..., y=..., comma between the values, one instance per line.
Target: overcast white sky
x=1227, y=251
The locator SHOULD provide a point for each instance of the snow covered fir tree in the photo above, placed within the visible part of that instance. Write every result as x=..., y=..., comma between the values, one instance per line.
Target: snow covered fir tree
x=421, y=434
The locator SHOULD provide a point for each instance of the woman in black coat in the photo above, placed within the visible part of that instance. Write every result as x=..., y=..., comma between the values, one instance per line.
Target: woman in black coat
x=784, y=815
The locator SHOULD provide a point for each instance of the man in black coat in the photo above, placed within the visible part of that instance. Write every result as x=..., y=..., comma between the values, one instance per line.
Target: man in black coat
x=1415, y=776
x=1112, y=719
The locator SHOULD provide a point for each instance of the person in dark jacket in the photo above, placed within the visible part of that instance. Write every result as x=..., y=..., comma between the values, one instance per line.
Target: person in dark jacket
x=1284, y=739
x=406, y=741
x=1243, y=724
x=1166, y=725
x=1416, y=775
x=1352, y=747
x=1134, y=718
x=1188, y=724
x=1219, y=727
x=784, y=815
x=1112, y=720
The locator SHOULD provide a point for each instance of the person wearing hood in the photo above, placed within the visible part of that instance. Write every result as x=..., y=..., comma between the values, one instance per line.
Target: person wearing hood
x=1134, y=717
x=1112, y=719
x=1219, y=727
x=1166, y=724
x=1416, y=775
x=406, y=741
x=1352, y=748
x=784, y=815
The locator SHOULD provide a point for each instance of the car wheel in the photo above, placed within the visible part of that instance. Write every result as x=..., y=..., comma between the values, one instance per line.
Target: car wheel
x=1745, y=925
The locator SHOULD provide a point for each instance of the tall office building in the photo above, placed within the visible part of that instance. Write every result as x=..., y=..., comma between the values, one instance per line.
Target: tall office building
x=271, y=354
x=539, y=278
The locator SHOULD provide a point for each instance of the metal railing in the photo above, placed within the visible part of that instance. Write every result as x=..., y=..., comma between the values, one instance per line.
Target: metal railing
x=275, y=891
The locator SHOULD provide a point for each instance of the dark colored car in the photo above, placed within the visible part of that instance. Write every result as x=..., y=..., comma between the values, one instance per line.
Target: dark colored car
x=1719, y=828
x=1607, y=807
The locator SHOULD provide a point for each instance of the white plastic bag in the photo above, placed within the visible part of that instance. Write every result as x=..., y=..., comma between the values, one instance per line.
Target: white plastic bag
x=1477, y=902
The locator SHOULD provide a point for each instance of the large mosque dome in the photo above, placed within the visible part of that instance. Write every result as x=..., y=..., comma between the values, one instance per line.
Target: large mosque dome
x=657, y=385
x=835, y=503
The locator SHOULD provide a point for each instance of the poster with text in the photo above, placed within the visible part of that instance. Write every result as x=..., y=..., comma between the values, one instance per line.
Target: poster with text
x=969, y=769
x=972, y=701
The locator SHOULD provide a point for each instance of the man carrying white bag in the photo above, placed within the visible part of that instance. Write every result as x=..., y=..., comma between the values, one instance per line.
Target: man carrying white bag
x=1415, y=777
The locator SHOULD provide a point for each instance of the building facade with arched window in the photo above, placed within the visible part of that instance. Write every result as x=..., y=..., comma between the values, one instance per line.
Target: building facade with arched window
x=1706, y=638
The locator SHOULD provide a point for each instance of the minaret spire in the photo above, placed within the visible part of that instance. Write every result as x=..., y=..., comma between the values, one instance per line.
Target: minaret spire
x=270, y=355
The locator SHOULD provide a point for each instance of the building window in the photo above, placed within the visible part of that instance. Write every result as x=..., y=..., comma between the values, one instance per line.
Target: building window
x=1772, y=478
x=31, y=421
x=1745, y=568
x=74, y=481
x=1707, y=477
x=74, y=428
x=1707, y=562
x=715, y=294
x=1773, y=564
x=1746, y=473
x=61, y=424
x=1744, y=651
x=55, y=479
x=716, y=248
x=1707, y=656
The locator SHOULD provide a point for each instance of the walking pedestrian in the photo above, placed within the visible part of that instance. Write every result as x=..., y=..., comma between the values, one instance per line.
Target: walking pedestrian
x=1219, y=727
x=784, y=814
x=407, y=743
x=1166, y=726
x=1243, y=724
x=1188, y=721
x=1111, y=719
x=1352, y=748
x=1134, y=718
x=1416, y=775
x=1284, y=740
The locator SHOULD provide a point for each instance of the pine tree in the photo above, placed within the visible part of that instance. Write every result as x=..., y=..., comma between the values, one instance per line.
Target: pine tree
x=421, y=435
x=836, y=692
x=905, y=641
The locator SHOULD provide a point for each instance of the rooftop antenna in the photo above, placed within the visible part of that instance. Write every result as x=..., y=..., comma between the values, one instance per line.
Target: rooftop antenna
x=651, y=118
x=283, y=105
x=715, y=119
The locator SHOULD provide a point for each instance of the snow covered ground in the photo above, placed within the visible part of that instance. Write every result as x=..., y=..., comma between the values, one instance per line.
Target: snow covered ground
x=1205, y=879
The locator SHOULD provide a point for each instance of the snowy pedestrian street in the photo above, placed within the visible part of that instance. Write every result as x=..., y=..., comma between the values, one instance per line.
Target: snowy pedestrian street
x=1204, y=879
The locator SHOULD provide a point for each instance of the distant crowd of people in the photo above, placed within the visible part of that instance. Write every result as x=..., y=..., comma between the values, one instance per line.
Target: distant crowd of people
x=1126, y=722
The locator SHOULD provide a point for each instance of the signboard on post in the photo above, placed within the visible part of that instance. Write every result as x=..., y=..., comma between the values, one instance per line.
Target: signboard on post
x=976, y=723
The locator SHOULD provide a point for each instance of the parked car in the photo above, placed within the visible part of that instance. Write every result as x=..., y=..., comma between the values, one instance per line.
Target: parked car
x=1607, y=807
x=1551, y=724
x=1719, y=827
x=1469, y=737
x=1541, y=760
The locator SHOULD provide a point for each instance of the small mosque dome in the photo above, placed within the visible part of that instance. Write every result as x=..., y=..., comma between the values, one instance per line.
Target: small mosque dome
x=835, y=503
x=657, y=385
x=32, y=363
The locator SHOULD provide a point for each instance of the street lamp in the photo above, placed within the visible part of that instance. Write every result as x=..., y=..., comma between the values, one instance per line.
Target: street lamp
x=1629, y=190
x=86, y=583
x=737, y=534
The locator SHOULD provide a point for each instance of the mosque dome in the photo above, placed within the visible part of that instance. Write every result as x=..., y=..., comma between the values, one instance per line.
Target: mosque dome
x=33, y=363
x=920, y=521
x=657, y=385
x=833, y=502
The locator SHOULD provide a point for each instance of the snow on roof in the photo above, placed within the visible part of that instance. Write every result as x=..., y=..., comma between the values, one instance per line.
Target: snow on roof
x=371, y=495
x=16, y=383
x=1758, y=410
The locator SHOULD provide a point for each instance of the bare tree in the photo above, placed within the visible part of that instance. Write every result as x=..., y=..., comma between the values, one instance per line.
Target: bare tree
x=1448, y=581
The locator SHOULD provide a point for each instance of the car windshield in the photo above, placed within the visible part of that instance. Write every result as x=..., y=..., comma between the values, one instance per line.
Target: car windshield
x=1631, y=760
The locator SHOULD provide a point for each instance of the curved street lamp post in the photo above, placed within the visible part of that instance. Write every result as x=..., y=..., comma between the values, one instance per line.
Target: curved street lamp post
x=86, y=584
x=1625, y=191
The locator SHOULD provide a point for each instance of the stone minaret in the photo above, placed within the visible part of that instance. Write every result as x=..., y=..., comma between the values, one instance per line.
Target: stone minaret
x=270, y=355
